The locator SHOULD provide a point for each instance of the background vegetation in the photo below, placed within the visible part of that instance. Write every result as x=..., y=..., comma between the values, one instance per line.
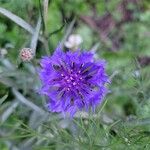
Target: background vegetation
x=118, y=30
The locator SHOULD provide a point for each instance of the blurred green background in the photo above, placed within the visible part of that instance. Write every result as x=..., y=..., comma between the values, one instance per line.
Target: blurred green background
x=118, y=31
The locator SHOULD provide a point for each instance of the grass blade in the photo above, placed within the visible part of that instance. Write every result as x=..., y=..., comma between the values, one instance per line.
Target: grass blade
x=17, y=20
x=9, y=111
x=22, y=99
x=3, y=98
x=35, y=36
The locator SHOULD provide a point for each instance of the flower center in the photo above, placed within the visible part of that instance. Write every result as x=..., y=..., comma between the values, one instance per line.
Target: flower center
x=75, y=78
x=72, y=79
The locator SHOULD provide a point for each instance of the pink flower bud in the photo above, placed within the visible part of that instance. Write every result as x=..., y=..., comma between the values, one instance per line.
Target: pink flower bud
x=26, y=54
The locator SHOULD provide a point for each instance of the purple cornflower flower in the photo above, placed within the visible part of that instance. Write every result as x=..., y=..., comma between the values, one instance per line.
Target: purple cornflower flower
x=72, y=81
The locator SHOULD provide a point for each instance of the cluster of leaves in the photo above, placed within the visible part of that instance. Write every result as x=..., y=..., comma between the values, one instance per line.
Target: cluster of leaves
x=121, y=122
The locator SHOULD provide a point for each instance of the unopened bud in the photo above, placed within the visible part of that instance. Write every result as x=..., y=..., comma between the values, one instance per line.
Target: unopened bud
x=26, y=54
x=74, y=41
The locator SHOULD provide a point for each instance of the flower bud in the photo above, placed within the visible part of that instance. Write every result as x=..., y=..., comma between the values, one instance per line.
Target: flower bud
x=26, y=54
x=74, y=41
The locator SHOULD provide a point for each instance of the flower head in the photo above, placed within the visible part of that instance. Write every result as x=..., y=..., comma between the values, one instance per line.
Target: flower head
x=72, y=81
x=74, y=41
x=26, y=54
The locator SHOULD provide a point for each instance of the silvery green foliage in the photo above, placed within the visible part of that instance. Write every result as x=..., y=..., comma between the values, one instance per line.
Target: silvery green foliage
x=121, y=122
